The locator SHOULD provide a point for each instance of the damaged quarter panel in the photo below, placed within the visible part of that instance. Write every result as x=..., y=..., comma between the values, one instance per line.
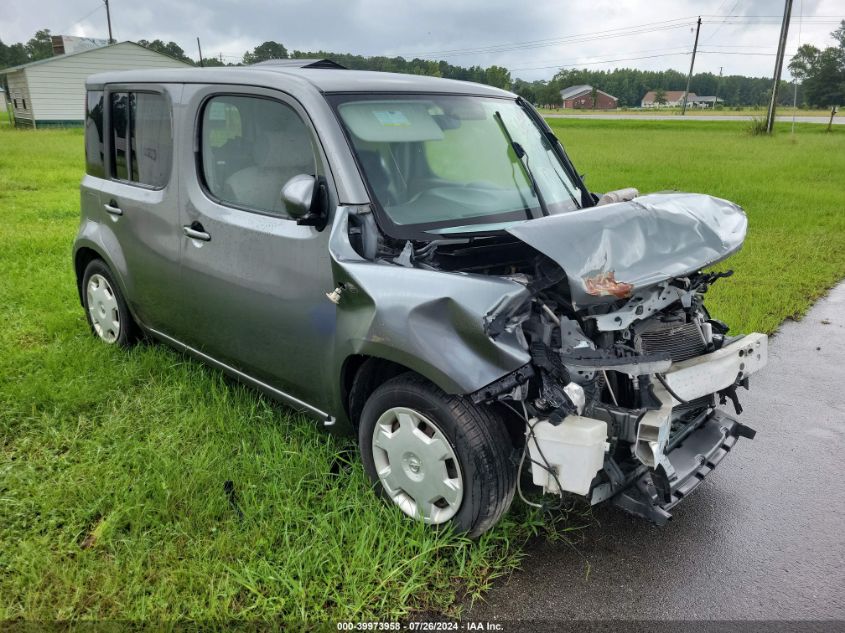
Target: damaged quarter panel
x=611, y=251
x=426, y=320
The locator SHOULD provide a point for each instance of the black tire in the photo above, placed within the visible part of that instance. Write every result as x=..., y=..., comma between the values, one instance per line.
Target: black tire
x=478, y=439
x=127, y=332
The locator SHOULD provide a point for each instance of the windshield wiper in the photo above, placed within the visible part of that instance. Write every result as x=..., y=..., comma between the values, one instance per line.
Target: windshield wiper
x=523, y=160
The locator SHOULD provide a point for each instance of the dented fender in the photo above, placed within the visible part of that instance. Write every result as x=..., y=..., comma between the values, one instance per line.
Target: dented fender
x=432, y=322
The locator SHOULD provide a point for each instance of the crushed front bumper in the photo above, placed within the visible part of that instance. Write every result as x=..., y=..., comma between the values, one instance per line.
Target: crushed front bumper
x=713, y=373
x=651, y=493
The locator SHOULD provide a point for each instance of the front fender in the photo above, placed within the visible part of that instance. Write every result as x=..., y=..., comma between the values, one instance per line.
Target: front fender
x=430, y=321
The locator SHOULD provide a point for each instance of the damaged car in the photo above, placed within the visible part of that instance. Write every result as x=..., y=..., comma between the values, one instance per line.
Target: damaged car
x=417, y=261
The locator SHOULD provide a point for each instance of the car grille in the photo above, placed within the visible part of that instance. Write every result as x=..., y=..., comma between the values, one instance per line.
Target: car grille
x=681, y=341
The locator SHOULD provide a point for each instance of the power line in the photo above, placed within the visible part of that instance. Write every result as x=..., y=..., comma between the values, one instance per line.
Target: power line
x=558, y=38
x=505, y=49
x=718, y=28
x=672, y=50
x=667, y=50
x=736, y=53
x=580, y=38
x=603, y=61
x=605, y=34
x=766, y=20
x=834, y=17
x=84, y=17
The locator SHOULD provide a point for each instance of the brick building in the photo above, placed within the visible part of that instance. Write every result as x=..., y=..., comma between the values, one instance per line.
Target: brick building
x=581, y=98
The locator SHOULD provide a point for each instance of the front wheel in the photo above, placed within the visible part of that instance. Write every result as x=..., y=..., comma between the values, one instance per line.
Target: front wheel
x=438, y=457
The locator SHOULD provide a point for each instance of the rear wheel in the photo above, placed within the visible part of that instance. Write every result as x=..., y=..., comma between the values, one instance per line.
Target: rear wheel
x=105, y=306
x=438, y=457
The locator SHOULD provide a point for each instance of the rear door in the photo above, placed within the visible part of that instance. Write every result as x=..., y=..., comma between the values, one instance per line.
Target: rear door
x=139, y=196
x=255, y=282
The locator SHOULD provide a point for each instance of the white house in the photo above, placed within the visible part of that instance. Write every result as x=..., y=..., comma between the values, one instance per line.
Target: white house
x=675, y=98
x=51, y=92
x=3, y=106
x=671, y=99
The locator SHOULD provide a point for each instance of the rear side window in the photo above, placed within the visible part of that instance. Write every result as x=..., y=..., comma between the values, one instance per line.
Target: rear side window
x=250, y=147
x=95, y=163
x=141, y=138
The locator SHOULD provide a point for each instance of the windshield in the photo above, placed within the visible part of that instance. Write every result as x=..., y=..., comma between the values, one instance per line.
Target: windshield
x=444, y=164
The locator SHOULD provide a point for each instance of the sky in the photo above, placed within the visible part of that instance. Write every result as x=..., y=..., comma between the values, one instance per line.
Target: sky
x=532, y=38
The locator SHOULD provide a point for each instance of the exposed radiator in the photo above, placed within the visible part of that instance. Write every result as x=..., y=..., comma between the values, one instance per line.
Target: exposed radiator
x=681, y=341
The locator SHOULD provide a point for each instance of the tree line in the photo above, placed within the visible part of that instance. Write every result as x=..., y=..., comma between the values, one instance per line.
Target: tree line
x=821, y=72
x=630, y=85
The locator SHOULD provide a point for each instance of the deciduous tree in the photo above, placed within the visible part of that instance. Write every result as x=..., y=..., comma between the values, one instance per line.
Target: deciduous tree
x=266, y=51
x=40, y=46
x=822, y=72
x=170, y=48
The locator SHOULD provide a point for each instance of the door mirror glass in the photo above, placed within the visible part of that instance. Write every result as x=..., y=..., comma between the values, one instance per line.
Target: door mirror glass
x=298, y=195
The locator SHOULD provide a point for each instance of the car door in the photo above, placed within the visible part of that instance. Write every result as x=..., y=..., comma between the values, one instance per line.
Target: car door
x=138, y=198
x=255, y=281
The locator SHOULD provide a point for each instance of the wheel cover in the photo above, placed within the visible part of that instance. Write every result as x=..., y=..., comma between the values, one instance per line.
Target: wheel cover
x=103, y=309
x=417, y=466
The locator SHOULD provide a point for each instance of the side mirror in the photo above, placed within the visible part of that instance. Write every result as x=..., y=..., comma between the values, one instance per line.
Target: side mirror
x=306, y=199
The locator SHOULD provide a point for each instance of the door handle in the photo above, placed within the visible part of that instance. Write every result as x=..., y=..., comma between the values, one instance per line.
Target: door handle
x=196, y=232
x=112, y=207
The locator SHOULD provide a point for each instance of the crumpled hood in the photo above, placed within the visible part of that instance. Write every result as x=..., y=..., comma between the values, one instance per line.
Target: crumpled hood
x=610, y=252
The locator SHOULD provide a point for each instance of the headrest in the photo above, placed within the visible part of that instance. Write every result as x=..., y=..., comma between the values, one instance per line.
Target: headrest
x=290, y=147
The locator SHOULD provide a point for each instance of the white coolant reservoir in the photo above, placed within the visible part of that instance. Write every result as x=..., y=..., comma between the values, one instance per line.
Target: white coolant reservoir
x=574, y=450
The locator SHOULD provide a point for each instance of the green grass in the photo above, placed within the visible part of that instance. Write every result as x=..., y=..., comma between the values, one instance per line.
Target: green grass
x=744, y=112
x=790, y=186
x=113, y=464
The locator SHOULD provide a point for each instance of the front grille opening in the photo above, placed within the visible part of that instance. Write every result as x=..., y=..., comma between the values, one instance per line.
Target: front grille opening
x=685, y=414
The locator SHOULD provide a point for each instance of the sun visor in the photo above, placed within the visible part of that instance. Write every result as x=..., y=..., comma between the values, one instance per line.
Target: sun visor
x=391, y=121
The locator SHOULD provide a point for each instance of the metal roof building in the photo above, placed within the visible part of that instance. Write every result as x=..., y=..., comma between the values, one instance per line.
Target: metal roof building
x=51, y=92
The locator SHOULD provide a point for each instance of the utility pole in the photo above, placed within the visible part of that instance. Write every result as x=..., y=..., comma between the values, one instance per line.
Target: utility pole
x=718, y=85
x=108, y=18
x=691, y=65
x=784, y=29
x=199, y=48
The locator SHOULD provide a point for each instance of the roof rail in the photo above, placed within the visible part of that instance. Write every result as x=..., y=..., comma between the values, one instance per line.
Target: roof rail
x=302, y=63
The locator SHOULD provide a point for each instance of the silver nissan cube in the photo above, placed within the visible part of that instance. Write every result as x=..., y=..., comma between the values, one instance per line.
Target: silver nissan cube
x=417, y=261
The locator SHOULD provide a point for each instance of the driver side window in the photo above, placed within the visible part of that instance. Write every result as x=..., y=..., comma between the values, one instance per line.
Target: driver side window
x=250, y=147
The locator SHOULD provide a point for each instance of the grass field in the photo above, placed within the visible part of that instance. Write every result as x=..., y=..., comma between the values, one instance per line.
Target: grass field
x=114, y=464
x=727, y=112
x=792, y=187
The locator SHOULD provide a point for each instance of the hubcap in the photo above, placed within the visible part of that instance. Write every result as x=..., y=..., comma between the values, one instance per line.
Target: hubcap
x=102, y=308
x=417, y=466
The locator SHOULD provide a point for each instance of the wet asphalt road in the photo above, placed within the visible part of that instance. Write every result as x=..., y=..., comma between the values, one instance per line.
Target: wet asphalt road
x=763, y=537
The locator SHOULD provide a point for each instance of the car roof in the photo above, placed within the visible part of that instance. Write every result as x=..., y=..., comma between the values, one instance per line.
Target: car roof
x=325, y=80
